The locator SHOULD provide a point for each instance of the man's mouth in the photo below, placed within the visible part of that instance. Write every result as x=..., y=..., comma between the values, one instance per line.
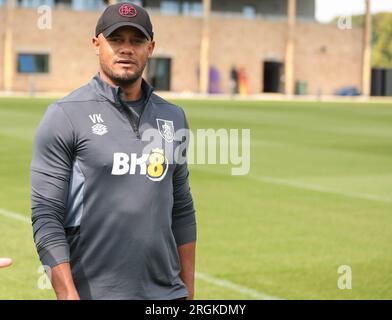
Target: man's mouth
x=126, y=62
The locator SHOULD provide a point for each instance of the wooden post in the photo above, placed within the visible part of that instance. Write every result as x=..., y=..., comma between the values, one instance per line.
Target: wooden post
x=290, y=47
x=204, y=48
x=367, y=49
x=9, y=64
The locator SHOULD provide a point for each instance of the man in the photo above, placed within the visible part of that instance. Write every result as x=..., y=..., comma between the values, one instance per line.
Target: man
x=5, y=262
x=112, y=217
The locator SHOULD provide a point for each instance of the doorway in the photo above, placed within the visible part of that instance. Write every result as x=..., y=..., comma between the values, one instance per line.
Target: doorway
x=159, y=73
x=272, y=76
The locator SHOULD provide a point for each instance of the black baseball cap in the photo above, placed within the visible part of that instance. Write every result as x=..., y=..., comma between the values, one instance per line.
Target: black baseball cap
x=124, y=14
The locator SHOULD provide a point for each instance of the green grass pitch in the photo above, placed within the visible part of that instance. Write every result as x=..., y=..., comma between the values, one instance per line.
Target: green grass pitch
x=318, y=196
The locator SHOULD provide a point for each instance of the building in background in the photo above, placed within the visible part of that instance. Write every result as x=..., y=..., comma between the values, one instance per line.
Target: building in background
x=195, y=40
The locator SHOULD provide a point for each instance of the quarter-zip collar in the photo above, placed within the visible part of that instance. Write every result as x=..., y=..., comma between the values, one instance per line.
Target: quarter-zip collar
x=113, y=93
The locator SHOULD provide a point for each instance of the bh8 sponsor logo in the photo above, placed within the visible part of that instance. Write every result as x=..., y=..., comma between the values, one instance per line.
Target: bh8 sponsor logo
x=153, y=165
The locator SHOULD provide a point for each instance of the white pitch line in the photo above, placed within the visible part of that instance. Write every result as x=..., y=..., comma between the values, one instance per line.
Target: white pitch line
x=15, y=216
x=302, y=185
x=318, y=188
x=201, y=276
x=235, y=287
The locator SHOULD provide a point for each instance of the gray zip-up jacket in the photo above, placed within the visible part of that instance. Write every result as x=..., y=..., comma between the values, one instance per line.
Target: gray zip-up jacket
x=102, y=203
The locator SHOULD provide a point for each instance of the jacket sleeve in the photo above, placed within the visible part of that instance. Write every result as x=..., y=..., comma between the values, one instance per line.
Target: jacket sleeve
x=49, y=175
x=184, y=220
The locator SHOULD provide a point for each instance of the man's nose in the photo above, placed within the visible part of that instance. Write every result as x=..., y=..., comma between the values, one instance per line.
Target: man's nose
x=127, y=48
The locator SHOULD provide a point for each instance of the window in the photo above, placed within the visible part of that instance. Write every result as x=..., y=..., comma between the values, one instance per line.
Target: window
x=80, y=5
x=63, y=3
x=158, y=73
x=192, y=8
x=170, y=7
x=249, y=11
x=137, y=2
x=33, y=63
x=67, y=4
x=34, y=3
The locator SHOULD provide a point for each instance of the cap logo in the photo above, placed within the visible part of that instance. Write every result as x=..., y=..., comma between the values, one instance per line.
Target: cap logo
x=127, y=10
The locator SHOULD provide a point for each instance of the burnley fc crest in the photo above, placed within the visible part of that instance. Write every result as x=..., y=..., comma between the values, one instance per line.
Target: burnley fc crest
x=166, y=129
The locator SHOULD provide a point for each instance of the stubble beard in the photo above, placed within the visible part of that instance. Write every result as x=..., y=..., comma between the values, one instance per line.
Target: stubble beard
x=123, y=79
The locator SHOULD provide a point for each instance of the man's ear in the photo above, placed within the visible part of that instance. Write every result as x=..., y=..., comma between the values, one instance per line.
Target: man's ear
x=95, y=42
x=151, y=47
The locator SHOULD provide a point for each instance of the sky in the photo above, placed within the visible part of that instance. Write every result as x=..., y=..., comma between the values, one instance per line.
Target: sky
x=326, y=10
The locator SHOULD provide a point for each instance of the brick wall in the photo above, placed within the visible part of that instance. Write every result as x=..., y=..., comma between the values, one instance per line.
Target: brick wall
x=2, y=19
x=326, y=57
x=72, y=59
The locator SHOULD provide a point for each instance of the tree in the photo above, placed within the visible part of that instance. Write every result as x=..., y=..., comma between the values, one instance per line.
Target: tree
x=382, y=47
